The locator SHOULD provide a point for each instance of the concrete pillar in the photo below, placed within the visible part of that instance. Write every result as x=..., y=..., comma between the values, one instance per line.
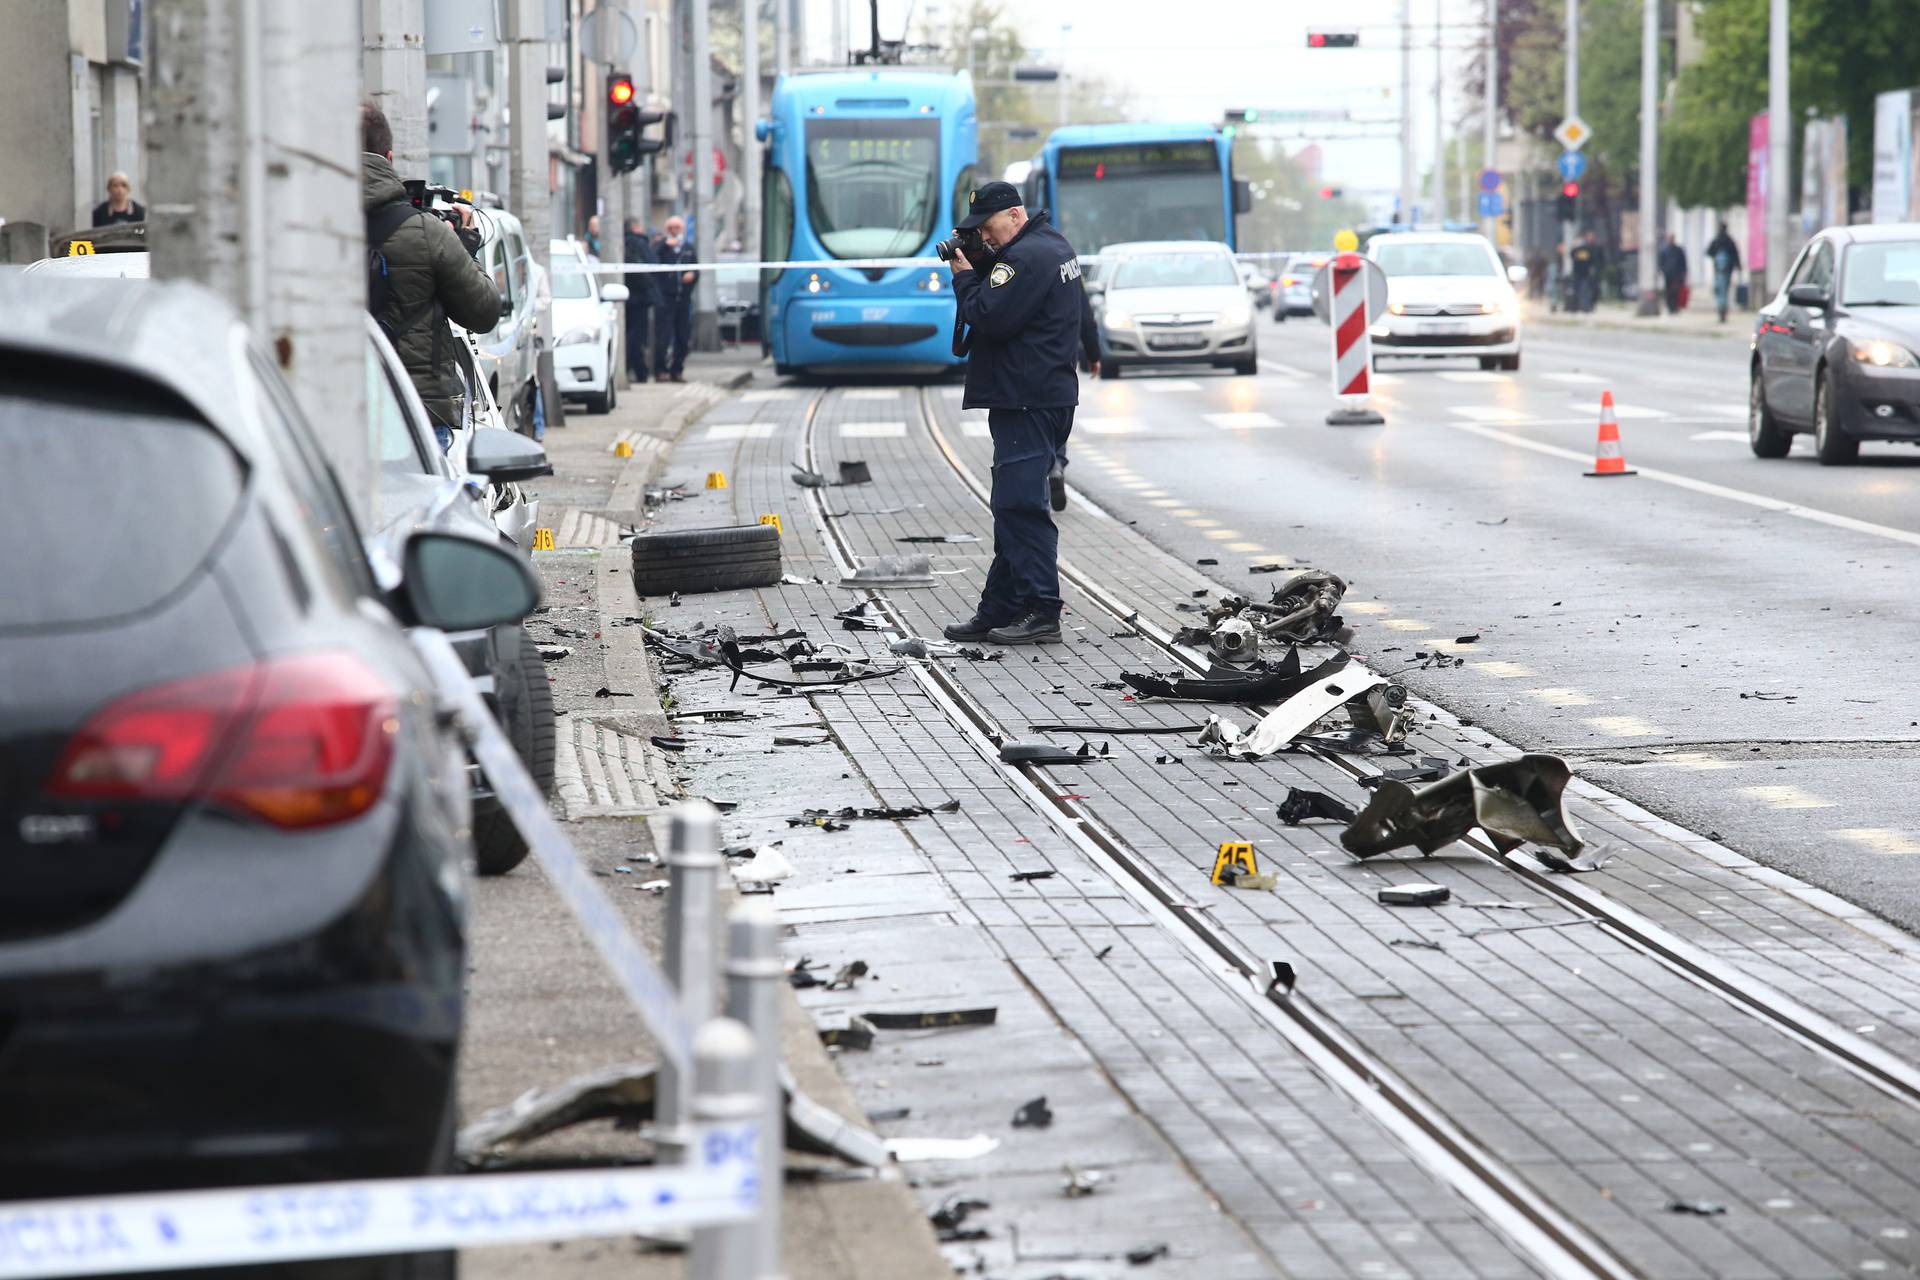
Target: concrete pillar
x=749, y=117
x=393, y=66
x=1649, y=159
x=194, y=214
x=706, y=297
x=1780, y=131
x=36, y=128
x=530, y=193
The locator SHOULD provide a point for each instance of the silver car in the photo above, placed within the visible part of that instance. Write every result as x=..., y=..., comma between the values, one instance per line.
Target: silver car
x=1173, y=302
x=510, y=355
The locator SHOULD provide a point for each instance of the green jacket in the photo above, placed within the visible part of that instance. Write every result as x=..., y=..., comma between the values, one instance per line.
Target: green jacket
x=428, y=263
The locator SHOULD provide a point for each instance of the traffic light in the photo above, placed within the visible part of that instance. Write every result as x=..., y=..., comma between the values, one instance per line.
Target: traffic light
x=1568, y=204
x=1330, y=193
x=626, y=142
x=1244, y=115
x=1333, y=39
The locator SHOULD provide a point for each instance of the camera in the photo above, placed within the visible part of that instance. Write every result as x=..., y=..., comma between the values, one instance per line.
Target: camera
x=967, y=243
x=422, y=194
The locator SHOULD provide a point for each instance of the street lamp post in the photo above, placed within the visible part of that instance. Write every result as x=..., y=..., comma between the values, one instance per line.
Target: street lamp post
x=1779, y=145
x=1649, y=158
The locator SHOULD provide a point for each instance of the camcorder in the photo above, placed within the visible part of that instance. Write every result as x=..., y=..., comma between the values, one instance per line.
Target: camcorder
x=422, y=193
x=967, y=243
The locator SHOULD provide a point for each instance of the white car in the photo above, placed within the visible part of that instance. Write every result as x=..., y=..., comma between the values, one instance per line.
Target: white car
x=1448, y=295
x=585, y=325
x=1173, y=302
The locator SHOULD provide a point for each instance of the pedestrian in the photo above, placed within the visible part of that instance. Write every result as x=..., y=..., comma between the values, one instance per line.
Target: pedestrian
x=643, y=298
x=1587, y=265
x=1673, y=270
x=421, y=274
x=593, y=236
x=1724, y=254
x=1022, y=309
x=119, y=206
x=673, y=321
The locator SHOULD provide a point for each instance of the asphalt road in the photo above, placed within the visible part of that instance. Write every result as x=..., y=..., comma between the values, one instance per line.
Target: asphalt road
x=1728, y=641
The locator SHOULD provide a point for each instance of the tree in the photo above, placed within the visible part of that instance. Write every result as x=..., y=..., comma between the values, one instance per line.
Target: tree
x=1288, y=212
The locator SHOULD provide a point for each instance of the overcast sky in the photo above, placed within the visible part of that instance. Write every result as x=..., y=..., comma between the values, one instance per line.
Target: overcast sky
x=1195, y=60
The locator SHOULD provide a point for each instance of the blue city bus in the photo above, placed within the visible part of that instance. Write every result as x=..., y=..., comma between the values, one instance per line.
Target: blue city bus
x=1112, y=183
x=860, y=165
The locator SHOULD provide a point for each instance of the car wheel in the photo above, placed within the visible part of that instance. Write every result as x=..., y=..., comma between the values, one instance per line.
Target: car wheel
x=1109, y=370
x=1831, y=445
x=1279, y=315
x=1489, y=362
x=699, y=560
x=1765, y=436
x=601, y=402
x=526, y=713
x=1248, y=367
x=1511, y=363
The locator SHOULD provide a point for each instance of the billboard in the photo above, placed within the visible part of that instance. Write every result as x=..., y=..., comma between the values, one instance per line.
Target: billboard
x=1823, y=176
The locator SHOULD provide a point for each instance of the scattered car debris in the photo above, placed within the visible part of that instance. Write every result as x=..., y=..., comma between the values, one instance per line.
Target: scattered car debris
x=1240, y=688
x=1302, y=805
x=1047, y=874
x=1280, y=977
x=892, y=571
x=984, y=1016
x=669, y=744
x=1270, y=567
x=885, y=1115
x=1092, y=727
x=1033, y=1115
x=789, y=740
x=1103, y=952
x=1415, y=895
x=855, y=471
x=1536, y=924
x=1079, y=1183
x=1147, y=1253
x=1234, y=641
x=795, y=580
x=1207, y=560
x=623, y=1094
x=553, y=652
x=1423, y=769
x=604, y=692
x=810, y=479
x=1759, y=695
x=849, y=1031
x=915, y=1150
x=952, y=1212
x=767, y=866
x=1560, y=864
x=1312, y=696
x=1047, y=753
x=1472, y=639
x=890, y=813
x=1514, y=802
x=1700, y=1208
x=939, y=537
x=1424, y=944
x=862, y=617
x=848, y=975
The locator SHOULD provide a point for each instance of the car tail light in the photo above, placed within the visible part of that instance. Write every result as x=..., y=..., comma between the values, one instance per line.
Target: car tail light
x=299, y=741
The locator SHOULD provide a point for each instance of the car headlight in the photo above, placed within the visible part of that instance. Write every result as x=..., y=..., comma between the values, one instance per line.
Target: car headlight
x=1118, y=320
x=1233, y=316
x=1885, y=355
x=1396, y=308
x=574, y=337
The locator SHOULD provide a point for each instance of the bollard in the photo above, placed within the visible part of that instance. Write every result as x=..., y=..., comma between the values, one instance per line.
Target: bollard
x=754, y=979
x=694, y=866
x=725, y=1065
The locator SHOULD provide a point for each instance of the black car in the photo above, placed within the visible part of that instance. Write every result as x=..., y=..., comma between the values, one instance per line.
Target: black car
x=1834, y=352
x=234, y=826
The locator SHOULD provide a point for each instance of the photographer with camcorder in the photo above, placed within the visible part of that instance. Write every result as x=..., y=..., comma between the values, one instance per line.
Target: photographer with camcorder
x=421, y=273
x=1016, y=283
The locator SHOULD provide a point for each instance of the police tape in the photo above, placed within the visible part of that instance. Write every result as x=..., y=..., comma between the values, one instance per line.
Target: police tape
x=652, y=996
x=165, y=1231
x=846, y=264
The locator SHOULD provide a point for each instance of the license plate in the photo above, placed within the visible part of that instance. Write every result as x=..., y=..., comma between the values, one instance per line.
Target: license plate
x=1178, y=342
x=1441, y=328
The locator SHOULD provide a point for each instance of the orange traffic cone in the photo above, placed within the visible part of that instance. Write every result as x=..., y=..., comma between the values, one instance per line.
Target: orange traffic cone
x=1607, y=460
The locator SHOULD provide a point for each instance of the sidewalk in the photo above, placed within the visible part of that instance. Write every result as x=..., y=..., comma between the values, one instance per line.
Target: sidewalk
x=1695, y=321
x=542, y=1009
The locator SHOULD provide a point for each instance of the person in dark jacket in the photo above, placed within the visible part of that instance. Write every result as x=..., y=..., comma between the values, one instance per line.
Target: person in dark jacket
x=432, y=278
x=1024, y=310
x=119, y=206
x=673, y=321
x=1673, y=270
x=643, y=298
x=1588, y=261
x=1724, y=254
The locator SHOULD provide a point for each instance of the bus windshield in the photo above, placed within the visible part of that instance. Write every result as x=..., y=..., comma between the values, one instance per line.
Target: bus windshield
x=1140, y=191
x=873, y=186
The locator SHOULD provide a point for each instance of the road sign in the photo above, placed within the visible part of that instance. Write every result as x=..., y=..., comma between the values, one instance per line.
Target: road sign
x=1492, y=204
x=1376, y=290
x=1573, y=166
x=1489, y=179
x=1572, y=133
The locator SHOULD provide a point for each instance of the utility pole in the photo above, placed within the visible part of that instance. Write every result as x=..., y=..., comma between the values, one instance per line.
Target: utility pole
x=706, y=298
x=1573, y=97
x=530, y=191
x=219, y=162
x=1490, y=138
x=838, y=30
x=393, y=64
x=1406, y=111
x=1649, y=158
x=750, y=116
x=1439, y=117
x=1779, y=148
x=1066, y=29
x=782, y=37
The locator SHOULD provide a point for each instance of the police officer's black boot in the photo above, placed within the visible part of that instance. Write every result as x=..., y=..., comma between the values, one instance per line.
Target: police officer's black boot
x=971, y=631
x=1034, y=628
x=1057, y=485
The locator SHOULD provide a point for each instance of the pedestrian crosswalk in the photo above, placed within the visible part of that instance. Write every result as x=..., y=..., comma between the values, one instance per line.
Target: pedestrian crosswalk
x=873, y=393
x=1242, y=421
x=1108, y=426
x=1489, y=413
x=872, y=430
x=1474, y=375
x=1576, y=379
x=742, y=430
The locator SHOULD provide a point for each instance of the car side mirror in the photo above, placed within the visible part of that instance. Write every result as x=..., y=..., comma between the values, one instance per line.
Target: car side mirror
x=1516, y=274
x=1811, y=296
x=453, y=582
x=613, y=293
x=505, y=457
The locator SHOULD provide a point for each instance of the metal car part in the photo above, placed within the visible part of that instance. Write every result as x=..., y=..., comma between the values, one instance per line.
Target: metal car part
x=1514, y=802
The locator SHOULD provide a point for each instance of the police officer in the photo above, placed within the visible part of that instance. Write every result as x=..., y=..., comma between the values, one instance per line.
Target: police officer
x=1023, y=308
x=673, y=316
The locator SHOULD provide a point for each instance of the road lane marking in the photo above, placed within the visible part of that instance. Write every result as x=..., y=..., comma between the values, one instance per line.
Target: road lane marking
x=1730, y=437
x=1149, y=491
x=1580, y=379
x=874, y=393
x=1625, y=412
x=742, y=431
x=872, y=430
x=1697, y=761
x=1489, y=413
x=1471, y=375
x=1726, y=409
x=1405, y=624
x=1252, y=547
x=1879, y=839
x=1220, y=535
x=771, y=393
x=1170, y=384
x=1711, y=490
x=1783, y=796
x=1183, y=513
x=1284, y=370
x=1165, y=502
x=1625, y=726
x=1140, y=487
x=1203, y=524
x=1503, y=670
x=1108, y=426
x=1240, y=421
x=1561, y=697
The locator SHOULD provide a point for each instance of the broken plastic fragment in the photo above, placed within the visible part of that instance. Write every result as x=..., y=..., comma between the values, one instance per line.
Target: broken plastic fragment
x=1033, y=1115
x=1047, y=753
x=849, y=973
x=809, y=479
x=914, y=1150
x=939, y=537
x=1302, y=805
x=847, y=1032
x=893, y=571
x=855, y=472
x=767, y=866
x=1415, y=895
x=1514, y=802
x=932, y=1020
x=1700, y=1208
x=1147, y=1253
x=1081, y=1182
x=1560, y=863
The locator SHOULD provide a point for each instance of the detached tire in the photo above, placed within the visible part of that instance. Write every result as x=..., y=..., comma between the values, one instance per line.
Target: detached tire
x=526, y=713
x=693, y=561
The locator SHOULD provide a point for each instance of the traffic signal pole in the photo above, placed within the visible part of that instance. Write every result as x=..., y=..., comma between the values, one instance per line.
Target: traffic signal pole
x=1779, y=148
x=1406, y=111
x=1649, y=158
x=530, y=193
x=1568, y=225
x=1490, y=138
x=706, y=297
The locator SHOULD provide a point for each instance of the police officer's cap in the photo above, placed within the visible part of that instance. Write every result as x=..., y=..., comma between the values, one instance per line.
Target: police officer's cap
x=987, y=201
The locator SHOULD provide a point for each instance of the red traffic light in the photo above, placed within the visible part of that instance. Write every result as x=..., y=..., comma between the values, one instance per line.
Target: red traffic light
x=1326, y=193
x=1571, y=190
x=620, y=91
x=1316, y=40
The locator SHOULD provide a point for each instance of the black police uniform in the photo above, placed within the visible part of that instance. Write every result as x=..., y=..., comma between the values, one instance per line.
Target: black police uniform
x=673, y=318
x=1024, y=313
x=643, y=301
